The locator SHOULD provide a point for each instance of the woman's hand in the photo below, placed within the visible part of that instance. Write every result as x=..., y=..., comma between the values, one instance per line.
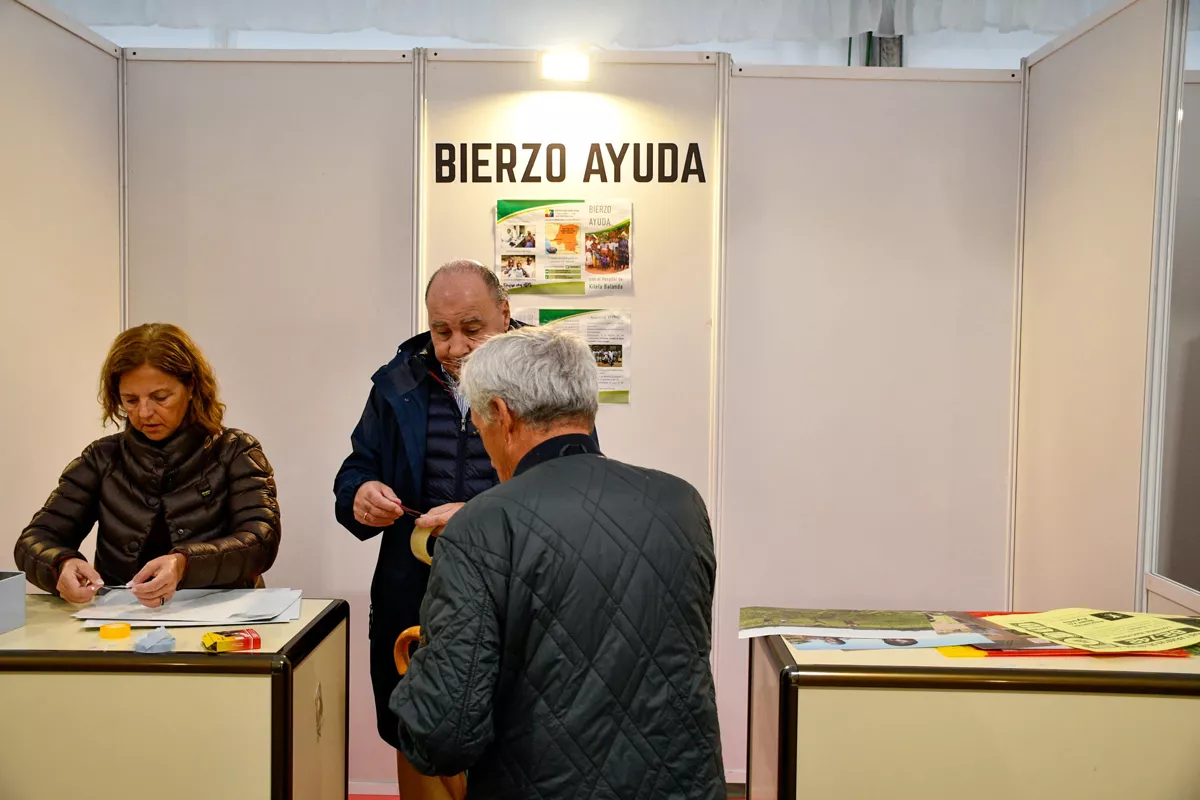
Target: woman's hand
x=155, y=583
x=436, y=518
x=78, y=581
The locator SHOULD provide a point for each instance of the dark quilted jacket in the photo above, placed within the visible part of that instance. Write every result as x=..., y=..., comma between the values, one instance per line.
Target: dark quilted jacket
x=216, y=494
x=566, y=634
x=457, y=466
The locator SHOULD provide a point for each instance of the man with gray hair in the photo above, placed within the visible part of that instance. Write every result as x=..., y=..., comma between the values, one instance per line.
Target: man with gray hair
x=567, y=624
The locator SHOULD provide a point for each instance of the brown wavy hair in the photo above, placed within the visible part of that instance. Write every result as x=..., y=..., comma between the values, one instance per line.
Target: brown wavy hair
x=169, y=349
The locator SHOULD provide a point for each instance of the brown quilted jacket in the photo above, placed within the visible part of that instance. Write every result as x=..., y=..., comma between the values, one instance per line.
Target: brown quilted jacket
x=217, y=495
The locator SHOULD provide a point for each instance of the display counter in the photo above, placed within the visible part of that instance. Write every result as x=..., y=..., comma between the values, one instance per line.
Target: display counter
x=916, y=724
x=85, y=716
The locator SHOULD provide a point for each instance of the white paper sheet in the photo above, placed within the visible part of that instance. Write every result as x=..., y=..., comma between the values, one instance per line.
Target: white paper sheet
x=291, y=614
x=209, y=606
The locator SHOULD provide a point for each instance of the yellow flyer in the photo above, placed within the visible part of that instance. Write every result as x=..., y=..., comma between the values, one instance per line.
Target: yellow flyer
x=1103, y=631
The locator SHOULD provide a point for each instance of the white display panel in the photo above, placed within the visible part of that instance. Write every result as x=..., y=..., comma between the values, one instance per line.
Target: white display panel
x=666, y=424
x=869, y=347
x=500, y=98
x=879, y=742
x=1179, y=546
x=60, y=252
x=1094, y=120
x=270, y=215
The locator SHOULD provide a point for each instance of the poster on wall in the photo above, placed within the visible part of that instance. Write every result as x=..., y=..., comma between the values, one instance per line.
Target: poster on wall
x=608, y=332
x=568, y=247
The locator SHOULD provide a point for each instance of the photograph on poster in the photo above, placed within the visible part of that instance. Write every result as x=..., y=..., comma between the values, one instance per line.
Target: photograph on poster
x=517, y=267
x=607, y=355
x=608, y=250
x=519, y=237
x=607, y=331
x=578, y=246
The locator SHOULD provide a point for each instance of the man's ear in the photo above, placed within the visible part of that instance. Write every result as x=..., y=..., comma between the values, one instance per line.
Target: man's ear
x=507, y=312
x=503, y=416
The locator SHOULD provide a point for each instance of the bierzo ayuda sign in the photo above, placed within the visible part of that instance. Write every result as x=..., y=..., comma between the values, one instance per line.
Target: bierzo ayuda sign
x=535, y=162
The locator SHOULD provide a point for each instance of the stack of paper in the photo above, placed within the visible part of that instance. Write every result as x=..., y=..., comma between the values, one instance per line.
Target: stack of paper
x=196, y=608
x=1105, y=631
x=841, y=629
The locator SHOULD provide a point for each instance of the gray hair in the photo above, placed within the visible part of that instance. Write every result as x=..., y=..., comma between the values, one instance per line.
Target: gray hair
x=544, y=375
x=467, y=266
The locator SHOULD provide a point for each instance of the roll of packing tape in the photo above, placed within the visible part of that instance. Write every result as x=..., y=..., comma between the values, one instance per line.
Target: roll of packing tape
x=419, y=544
x=114, y=630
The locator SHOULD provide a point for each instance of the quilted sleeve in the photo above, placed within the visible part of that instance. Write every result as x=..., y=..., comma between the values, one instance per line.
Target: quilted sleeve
x=56, y=531
x=250, y=550
x=362, y=465
x=445, y=701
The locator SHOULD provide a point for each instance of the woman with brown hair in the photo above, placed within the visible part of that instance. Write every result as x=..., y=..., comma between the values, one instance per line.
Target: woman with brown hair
x=181, y=500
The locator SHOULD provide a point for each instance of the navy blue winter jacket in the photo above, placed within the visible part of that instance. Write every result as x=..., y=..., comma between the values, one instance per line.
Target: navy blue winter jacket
x=391, y=444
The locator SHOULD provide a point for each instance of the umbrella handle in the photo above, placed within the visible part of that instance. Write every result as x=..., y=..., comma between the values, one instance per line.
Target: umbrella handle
x=401, y=650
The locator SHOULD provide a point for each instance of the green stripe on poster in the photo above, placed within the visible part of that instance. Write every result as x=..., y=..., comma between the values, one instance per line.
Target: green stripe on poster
x=510, y=208
x=548, y=315
x=567, y=287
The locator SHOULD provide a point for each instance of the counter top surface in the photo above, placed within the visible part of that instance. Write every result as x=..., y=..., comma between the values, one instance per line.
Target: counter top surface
x=930, y=658
x=49, y=626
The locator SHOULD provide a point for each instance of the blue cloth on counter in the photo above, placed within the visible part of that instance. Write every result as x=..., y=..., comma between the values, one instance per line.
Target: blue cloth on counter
x=158, y=640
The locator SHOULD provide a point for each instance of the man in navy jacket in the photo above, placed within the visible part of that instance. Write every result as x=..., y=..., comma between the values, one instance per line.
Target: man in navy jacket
x=416, y=445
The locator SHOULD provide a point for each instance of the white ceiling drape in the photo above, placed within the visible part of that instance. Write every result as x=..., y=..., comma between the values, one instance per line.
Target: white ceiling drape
x=642, y=24
x=513, y=23
x=1038, y=16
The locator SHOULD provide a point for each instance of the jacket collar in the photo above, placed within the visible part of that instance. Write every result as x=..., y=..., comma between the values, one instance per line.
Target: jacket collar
x=569, y=444
x=168, y=454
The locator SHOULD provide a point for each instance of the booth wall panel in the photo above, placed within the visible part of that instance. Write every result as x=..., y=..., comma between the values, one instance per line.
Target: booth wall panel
x=270, y=215
x=1157, y=604
x=868, y=372
x=60, y=252
x=1179, y=546
x=666, y=424
x=1093, y=139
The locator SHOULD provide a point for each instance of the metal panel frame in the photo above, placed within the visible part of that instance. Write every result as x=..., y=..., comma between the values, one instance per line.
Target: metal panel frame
x=1159, y=324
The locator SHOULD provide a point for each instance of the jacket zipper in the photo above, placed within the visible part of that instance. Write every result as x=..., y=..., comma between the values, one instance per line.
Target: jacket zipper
x=460, y=472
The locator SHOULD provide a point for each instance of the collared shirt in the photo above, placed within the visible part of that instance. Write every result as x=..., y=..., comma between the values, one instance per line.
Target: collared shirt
x=460, y=399
x=569, y=444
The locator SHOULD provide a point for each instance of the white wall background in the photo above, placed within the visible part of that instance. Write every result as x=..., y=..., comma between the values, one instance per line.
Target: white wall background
x=1093, y=138
x=666, y=424
x=867, y=369
x=59, y=252
x=270, y=215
